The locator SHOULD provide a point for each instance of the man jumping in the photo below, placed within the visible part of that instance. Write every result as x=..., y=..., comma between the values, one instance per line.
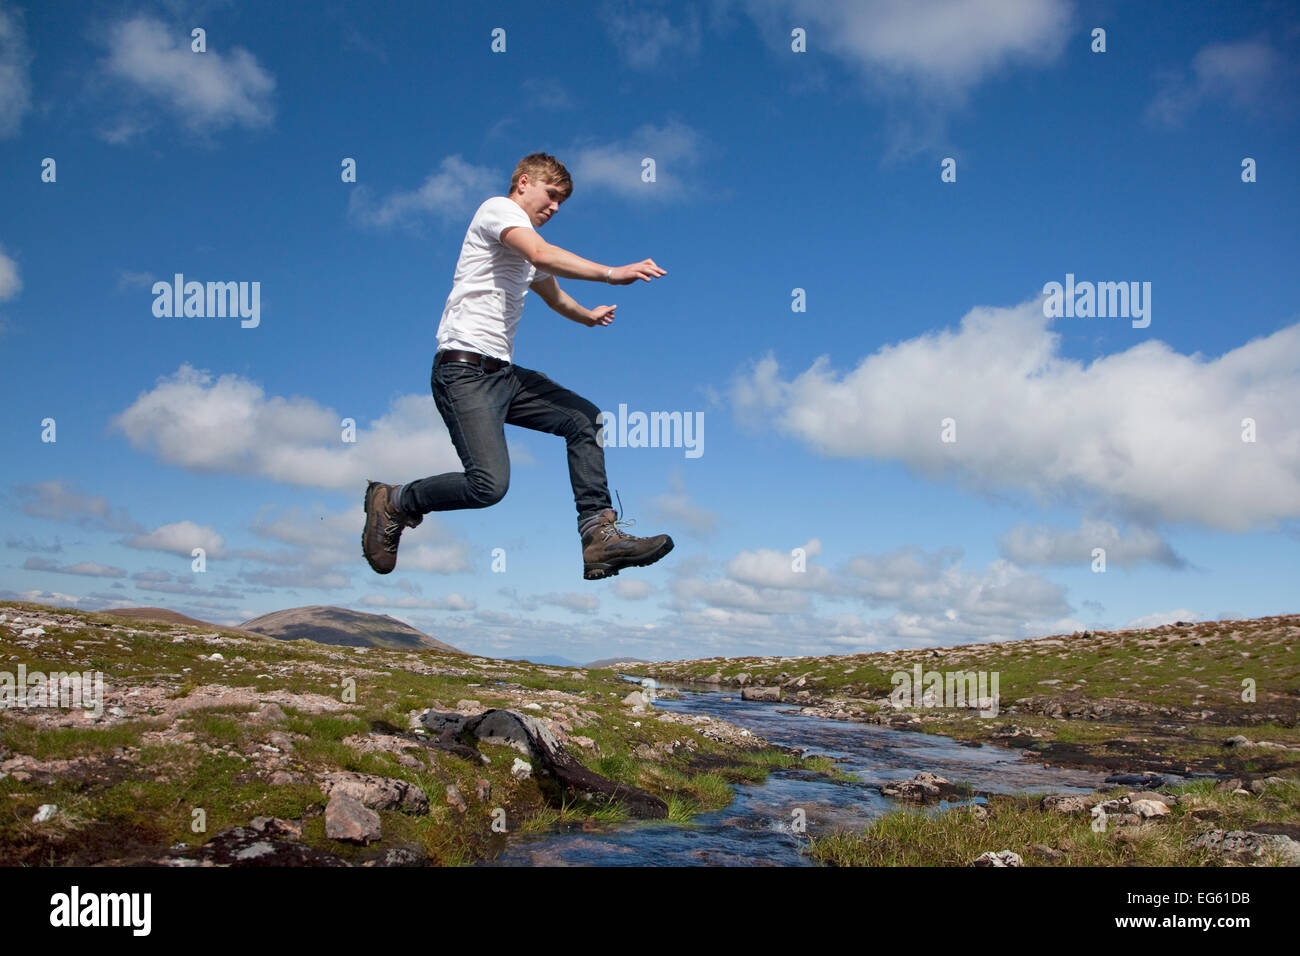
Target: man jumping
x=478, y=389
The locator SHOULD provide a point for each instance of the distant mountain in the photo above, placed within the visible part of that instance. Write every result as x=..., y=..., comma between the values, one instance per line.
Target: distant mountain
x=551, y=659
x=613, y=661
x=339, y=625
x=172, y=617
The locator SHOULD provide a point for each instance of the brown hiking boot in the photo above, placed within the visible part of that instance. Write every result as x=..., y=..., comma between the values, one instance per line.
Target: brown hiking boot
x=606, y=549
x=383, y=528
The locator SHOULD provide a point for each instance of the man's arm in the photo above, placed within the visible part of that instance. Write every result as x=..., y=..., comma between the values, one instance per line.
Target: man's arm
x=561, y=262
x=552, y=259
x=561, y=301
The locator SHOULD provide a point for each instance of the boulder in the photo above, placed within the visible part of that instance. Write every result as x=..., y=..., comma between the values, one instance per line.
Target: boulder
x=346, y=818
x=557, y=770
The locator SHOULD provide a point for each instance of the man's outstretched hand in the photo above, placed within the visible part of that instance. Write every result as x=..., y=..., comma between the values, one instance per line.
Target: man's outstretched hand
x=601, y=315
x=626, y=275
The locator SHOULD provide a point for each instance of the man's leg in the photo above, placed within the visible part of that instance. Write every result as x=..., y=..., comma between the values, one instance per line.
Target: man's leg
x=473, y=404
x=544, y=406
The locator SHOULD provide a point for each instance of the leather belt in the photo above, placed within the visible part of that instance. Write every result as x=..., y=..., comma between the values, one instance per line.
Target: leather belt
x=487, y=362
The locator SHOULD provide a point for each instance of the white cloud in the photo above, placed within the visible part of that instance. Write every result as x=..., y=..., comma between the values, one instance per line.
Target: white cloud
x=1042, y=545
x=15, y=75
x=230, y=426
x=648, y=36
x=1161, y=618
x=776, y=569
x=617, y=167
x=180, y=537
x=920, y=59
x=676, y=506
x=57, y=502
x=204, y=91
x=1149, y=433
x=1246, y=75
x=88, y=568
x=574, y=601
x=452, y=193
x=303, y=578
x=329, y=540
x=452, y=602
x=729, y=594
x=188, y=588
x=439, y=558
x=945, y=46
x=10, y=283
x=633, y=589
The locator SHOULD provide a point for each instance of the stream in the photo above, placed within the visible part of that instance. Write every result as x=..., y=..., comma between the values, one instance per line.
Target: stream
x=756, y=828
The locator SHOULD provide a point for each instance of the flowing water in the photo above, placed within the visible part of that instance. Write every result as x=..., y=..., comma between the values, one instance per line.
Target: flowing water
x=756, y=828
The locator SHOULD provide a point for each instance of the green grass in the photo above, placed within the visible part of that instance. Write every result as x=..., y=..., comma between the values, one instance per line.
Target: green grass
x=921, y=837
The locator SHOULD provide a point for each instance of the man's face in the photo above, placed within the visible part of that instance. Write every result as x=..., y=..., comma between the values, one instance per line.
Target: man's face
x=539, y=199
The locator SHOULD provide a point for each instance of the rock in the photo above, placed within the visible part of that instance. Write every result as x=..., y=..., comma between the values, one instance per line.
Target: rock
x=1044, y=852
x=1013, y=730
x=760, y=693
x=267, y=841
x=1001, y=858
x=924, y=786
x=1237, y=741
x=376, y=792
x=45, y=812
x=454, y=798
x=1228, y=784
x=277, y=826
x=1147, y=809
x=482, y=789
x=557, y=769
x=346, y=818
x=1064, y=803
x=741, y=678
x=464, y=705
x=270, y=713
x=521, y=769
x=1152, y=795
x=635, y=699
x=714, y=678
x=1244, y=846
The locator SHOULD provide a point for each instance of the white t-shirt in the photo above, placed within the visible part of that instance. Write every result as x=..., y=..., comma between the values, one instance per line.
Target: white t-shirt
x=487, y=293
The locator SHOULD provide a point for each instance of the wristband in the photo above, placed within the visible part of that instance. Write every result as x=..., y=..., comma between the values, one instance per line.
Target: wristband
x=609, y=272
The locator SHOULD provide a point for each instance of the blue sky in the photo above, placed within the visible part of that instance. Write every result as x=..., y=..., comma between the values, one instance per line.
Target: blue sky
x=774, y=171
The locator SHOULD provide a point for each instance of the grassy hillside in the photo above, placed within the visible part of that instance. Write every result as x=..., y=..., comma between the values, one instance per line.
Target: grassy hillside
x=240, y=728
x=1160, y=699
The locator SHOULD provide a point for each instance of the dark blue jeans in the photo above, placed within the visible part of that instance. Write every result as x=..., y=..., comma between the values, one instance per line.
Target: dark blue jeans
x=476, y=405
